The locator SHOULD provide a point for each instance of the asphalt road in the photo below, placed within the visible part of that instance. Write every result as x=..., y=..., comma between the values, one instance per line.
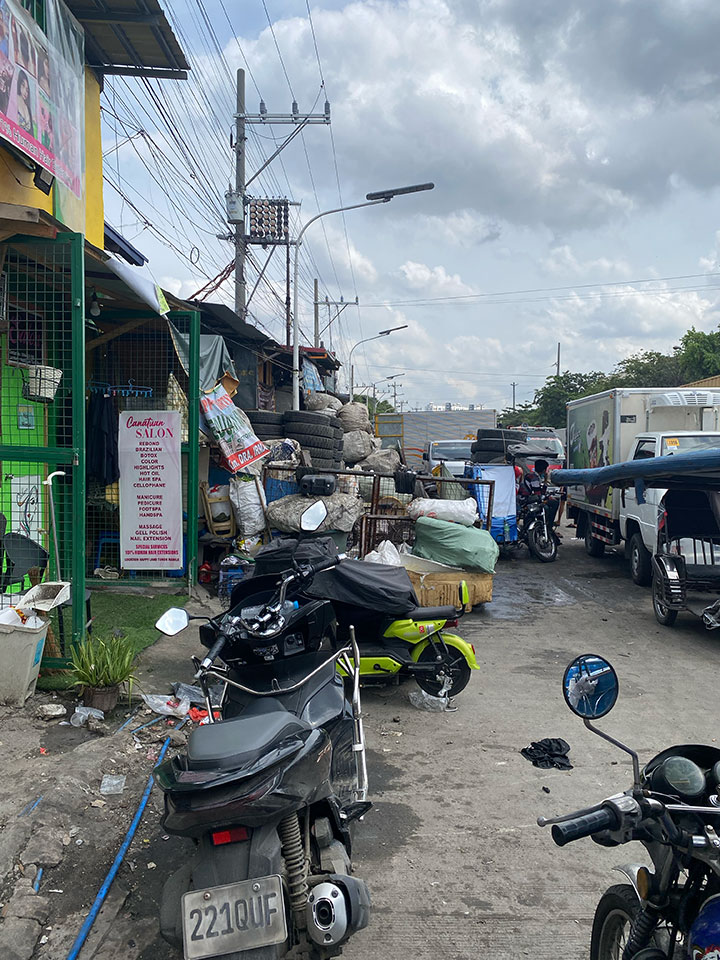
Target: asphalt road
x=457, y=866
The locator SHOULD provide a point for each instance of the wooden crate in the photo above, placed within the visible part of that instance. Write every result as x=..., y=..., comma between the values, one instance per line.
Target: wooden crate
x=441, y=589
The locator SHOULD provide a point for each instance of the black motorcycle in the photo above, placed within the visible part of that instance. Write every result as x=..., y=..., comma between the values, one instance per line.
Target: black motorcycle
x=671, y=909
x=269, y=792
x=535, y=526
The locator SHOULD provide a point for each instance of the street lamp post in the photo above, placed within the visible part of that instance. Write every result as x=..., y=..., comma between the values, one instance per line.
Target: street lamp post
x=383, y=333
x=371, y=199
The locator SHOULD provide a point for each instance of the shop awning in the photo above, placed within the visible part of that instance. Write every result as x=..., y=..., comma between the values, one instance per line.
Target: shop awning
x=129, y=38
x=120, y=286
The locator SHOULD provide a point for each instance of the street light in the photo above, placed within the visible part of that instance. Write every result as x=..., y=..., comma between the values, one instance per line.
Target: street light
x=383, y=333
x=381, y=196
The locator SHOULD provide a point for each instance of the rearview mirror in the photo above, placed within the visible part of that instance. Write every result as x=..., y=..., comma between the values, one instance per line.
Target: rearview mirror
x=590, y=686
x=173, y=621
x=464, y=594
x=312, y=518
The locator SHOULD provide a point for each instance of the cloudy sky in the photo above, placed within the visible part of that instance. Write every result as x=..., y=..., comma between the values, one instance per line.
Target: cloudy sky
x=574, y=149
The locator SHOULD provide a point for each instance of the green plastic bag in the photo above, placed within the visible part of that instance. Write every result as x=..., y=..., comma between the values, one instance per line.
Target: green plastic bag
x=455, y=545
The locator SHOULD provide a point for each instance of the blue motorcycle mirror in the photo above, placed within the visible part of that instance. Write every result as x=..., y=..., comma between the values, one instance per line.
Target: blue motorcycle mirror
x=173, y=621
x=590, y=686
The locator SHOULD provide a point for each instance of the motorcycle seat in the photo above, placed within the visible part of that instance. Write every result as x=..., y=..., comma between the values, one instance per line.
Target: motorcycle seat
x=433, y=613
x=230, y=744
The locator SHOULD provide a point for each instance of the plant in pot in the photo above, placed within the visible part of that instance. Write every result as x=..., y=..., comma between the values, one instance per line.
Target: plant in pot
x=100, y=667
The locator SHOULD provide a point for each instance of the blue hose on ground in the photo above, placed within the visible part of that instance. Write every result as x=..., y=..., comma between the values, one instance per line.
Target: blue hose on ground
x=107, y=882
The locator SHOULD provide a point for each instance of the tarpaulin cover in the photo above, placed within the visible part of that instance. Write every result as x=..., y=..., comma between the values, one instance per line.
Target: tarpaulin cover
x=278, y=556
x=215, y=360
x=374, y=586
x=465, y=547
x=700, y=468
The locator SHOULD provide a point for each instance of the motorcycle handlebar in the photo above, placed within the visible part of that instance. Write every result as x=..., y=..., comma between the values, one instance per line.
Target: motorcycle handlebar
x=215, y=650
x=584, y=826
x=325, y=564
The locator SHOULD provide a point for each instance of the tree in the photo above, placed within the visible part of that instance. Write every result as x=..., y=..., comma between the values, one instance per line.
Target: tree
x=649, y=369
x=699, y=355
x=551, y=399
x=523, y=413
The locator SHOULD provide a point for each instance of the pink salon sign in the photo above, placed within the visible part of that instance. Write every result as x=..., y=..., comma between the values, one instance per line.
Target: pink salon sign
x=151, y=534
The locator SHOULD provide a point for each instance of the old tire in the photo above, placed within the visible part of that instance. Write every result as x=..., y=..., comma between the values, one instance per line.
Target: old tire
x=613, y=918
x=593, y=547
x=315, y=442
x=664, y=615
x=640, y=561
x=306, y=417
x=453, y=663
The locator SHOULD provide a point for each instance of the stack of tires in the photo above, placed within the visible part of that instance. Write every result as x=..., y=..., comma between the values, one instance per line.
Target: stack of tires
x=491, y=445
x=319, y=434
x=268, y=426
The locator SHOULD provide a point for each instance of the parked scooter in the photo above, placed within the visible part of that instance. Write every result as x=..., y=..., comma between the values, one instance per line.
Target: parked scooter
x=671, y=909
x=269, y=792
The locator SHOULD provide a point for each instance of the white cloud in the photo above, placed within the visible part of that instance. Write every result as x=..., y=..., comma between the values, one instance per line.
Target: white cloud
x=436, y=281
x=562, y=261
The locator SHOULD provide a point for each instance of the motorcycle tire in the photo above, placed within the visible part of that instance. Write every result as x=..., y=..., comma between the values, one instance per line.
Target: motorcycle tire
x=665, y=616
x=640, y=561
x=454, y=662
x=614, y=915
x=543, y=550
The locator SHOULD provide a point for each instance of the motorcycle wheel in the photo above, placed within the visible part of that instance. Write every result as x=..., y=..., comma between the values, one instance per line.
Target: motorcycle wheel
x=544, y=550
x=453, y=662
x=611, y=926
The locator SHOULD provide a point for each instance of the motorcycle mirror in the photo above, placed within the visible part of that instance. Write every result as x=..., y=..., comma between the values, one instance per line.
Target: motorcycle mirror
x=173, y=621
x=590, y=686
x=464, y=594
x=313, y=517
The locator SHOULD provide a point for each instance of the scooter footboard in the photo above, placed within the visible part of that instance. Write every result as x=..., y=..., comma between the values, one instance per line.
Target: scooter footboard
x=217, y=866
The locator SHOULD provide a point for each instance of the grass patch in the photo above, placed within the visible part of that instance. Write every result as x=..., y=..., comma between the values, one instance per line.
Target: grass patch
x=133, y=615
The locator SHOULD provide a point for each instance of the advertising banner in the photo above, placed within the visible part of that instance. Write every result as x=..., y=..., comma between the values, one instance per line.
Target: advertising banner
x=232, y=430
x=42, y=94
x=151, y=533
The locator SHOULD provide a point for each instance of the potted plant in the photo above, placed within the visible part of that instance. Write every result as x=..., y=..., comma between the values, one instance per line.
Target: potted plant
x=100, y=667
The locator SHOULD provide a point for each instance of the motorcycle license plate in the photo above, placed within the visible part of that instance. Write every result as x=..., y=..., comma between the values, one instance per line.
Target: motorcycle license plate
x=235, y=917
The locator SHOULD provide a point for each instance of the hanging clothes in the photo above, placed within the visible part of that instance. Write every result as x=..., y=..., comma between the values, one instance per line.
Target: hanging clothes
x=102, y=440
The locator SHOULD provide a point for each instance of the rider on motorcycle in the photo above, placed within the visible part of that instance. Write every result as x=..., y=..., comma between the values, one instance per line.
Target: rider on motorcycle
x=534, y=484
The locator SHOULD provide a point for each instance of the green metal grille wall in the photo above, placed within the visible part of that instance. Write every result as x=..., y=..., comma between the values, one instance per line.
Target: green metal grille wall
x=42, y=425
x=139, y=370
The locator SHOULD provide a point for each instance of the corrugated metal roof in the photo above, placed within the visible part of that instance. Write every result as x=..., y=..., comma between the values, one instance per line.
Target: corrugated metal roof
x=707, y=382
x=129, y=37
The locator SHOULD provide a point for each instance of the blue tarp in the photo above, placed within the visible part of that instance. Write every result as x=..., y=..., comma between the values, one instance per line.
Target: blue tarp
x=699, y=469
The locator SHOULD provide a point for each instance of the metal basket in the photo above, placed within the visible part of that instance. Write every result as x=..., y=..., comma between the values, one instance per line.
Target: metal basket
x=42, y=384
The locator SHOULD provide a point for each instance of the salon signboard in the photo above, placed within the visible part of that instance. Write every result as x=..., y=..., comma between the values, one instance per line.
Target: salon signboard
x=151, y=528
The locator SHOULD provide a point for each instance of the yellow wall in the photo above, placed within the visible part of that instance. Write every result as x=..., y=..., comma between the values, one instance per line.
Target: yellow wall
x=16, y=181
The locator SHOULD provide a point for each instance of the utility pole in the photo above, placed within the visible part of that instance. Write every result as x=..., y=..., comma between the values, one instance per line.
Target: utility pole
x=316, y=313
x=558, y=362
x=513, y=385
x=340, y=305
x=240, y=191
x=394, y=389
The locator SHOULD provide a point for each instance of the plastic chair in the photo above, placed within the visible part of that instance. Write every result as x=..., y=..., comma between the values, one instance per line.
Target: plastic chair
x=21, y=556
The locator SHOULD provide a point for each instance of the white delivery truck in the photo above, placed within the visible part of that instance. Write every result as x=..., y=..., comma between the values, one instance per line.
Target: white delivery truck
x=632, y=424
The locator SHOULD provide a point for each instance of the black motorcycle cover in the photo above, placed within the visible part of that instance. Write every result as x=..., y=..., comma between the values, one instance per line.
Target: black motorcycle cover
x=374, y=587
x=278, y=556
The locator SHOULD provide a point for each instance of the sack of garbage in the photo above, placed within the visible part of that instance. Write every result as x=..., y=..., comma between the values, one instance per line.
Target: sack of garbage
x=381, y=461
x=248, y=502
x=466, y=547
x=356, y=445
x=285, y=451
x=385, y=552
x=342, y=512
x=456, y=511
x=322, y=401
x=354, y=416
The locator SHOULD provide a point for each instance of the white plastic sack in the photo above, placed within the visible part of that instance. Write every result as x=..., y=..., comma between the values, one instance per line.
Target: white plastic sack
x=381, y=461
x=322, y=401
x=248, y=503
x=356, y=446
x=386, y=553
x=354, y=416
x=456, y=511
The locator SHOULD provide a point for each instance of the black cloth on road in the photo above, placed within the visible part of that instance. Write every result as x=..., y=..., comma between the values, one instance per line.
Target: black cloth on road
x=550, y=752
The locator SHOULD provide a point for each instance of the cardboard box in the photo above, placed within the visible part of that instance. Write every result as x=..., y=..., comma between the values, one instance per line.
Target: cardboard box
x=437, y=585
